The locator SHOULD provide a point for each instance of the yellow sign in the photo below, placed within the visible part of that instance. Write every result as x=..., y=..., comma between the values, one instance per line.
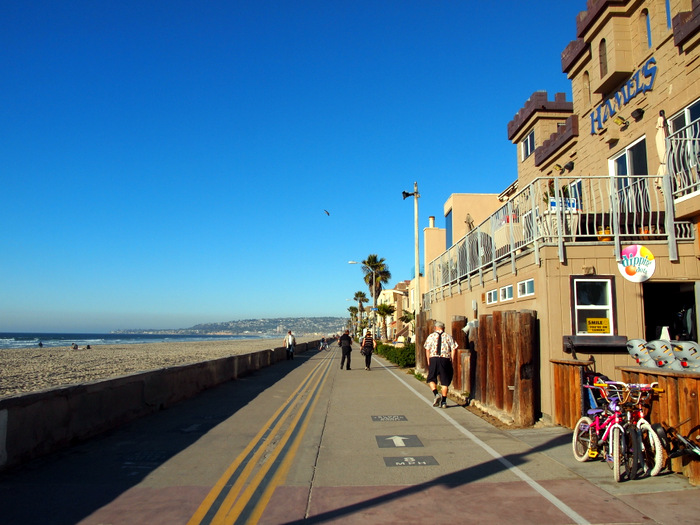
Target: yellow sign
x=598, y=326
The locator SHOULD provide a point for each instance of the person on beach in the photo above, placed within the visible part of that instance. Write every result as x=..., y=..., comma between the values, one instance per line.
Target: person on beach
x=440, y=350
x=345, y=344
x=289, y=342
x=367, y=345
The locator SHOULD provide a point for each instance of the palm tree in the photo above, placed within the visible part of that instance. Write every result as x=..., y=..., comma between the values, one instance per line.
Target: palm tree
x=376, y=274
x=353, y=316
x=384, y=311
x=360, y=297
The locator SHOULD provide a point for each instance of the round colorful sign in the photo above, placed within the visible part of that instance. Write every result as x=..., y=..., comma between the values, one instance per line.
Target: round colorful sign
x=637, y=264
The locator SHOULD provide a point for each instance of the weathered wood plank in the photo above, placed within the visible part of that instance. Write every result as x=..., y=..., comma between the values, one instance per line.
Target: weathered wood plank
x=510, y=336
x=498, y=386
x=526, y=374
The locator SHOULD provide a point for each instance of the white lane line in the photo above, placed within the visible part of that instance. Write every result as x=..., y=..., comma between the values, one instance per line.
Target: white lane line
x=571, y=513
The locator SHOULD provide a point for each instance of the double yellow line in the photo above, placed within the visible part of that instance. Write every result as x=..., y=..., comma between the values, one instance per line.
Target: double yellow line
x=245, y=488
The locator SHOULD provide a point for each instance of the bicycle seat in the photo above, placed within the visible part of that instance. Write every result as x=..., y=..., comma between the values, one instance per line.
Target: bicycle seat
x=594, y=411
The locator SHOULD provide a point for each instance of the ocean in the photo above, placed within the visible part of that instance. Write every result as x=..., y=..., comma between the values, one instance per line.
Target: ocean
x=32, y=340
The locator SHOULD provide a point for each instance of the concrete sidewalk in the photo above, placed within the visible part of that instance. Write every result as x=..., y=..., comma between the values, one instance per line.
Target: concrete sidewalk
x=387, y=456
x=356, y=447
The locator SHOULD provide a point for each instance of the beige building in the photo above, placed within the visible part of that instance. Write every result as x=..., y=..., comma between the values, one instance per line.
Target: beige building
x=598, y=234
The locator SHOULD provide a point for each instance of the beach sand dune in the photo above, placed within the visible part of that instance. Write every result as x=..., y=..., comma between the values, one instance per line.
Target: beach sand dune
x=26, y=370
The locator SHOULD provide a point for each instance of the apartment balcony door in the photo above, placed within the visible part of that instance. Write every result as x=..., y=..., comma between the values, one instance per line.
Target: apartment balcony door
x=632, y=192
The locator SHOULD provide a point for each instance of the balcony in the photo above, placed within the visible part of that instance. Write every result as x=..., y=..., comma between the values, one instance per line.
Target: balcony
x=562, y=212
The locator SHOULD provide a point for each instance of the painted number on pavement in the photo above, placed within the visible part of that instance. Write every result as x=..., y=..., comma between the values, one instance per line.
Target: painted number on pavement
x=411, y=461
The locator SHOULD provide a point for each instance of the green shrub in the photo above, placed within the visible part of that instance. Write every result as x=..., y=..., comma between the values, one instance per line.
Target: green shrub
x=403, y=356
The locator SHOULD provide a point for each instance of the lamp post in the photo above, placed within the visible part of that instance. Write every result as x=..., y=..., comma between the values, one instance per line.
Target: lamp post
x=417, y=301
x=374, y=296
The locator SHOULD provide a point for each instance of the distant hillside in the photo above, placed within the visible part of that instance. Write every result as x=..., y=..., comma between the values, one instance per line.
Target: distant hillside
x=274, y=326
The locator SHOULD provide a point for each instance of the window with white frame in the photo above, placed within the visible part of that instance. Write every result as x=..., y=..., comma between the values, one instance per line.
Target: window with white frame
x=686, y=130
x=506, y=292
x=592, y=300
x=492, y=296
x=526, y=288
x=685, y=116
x=633, y=192
x=528, y=145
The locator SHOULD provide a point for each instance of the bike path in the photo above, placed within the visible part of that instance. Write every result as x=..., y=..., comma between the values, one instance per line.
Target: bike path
x=454, y=465
x=304, y=441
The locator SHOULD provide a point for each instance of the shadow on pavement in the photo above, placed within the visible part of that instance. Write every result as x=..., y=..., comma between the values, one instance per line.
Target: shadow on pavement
x=67, y=486
x=449, y=481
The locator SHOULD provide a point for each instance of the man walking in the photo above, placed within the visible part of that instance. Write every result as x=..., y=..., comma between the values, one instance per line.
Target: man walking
x=345, y=344
x=289, y=342
x=440, y=350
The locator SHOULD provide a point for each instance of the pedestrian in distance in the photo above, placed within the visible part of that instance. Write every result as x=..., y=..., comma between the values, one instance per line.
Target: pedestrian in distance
x=289, y=342
x=367, y=345
x=440, y=350
x=345, y=344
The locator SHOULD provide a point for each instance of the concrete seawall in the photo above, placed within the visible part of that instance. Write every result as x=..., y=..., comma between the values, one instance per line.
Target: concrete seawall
x=35, y=424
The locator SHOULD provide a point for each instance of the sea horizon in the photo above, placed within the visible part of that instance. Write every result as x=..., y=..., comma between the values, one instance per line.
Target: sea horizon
x=60, y=339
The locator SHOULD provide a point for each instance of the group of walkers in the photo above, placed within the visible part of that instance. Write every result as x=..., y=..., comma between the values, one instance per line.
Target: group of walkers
x=367, y=346
x=439, y=348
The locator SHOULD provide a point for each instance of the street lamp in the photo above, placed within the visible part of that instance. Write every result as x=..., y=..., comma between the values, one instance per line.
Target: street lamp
x=374, y=295
x=417, y=301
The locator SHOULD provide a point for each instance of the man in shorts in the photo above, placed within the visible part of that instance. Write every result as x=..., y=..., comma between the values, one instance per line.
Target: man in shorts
x=440, y=350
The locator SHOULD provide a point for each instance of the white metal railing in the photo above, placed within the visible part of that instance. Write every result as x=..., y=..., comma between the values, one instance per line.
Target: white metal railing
x=562, y=211
x=682, y=159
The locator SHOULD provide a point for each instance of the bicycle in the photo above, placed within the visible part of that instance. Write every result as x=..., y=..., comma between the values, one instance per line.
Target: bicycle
x=620, y=431
x=676, y=444
x=600, y=436
x=651, y=448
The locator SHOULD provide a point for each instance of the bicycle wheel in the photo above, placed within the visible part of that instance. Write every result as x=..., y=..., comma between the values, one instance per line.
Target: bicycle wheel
x=652, y=449
x=632, y=451
x=581, y=440
x=663, y=436
x=616, y=452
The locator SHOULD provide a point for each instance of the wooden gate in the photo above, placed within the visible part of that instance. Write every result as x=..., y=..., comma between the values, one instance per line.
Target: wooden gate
x=505, y=362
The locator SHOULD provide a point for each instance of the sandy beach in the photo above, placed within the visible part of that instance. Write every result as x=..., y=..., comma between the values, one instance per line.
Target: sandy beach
x=25, y=370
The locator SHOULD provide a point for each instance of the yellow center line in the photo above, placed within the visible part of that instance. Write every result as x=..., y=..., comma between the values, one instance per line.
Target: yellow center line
x=282, y=472
x=266, y=430
x=260, y=505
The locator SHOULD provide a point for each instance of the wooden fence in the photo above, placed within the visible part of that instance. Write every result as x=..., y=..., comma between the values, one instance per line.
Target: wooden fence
x=568, y=378
x=678, y=403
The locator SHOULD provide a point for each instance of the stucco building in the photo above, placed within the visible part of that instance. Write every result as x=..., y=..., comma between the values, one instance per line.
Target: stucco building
x=599, y=232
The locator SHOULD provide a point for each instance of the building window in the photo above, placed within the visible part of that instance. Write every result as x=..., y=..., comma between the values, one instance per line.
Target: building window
x=587, y=88
x=526, y=288
x=448, y=230
x=646, y=26
x=506, y=292
x=492, y=297
x=603, y=58
x=632, y=192
x=592, y=305
x=684, y=117
x=528, y=145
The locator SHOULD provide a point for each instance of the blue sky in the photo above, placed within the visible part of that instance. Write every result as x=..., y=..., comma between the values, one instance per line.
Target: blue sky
x=168, y=163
